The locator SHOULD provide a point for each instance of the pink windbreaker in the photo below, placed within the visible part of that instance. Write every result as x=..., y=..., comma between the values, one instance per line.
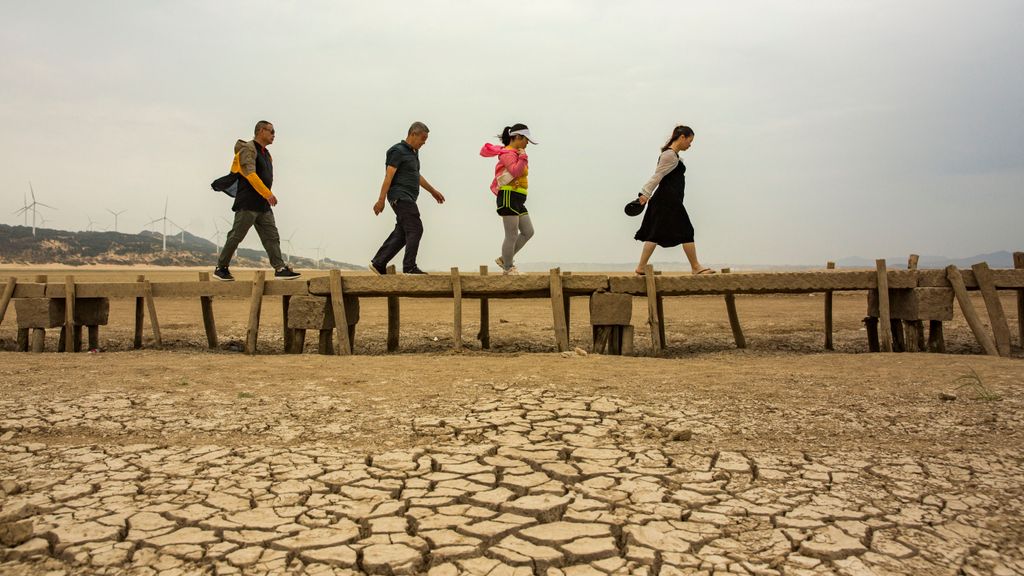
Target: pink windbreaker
x=515, y=163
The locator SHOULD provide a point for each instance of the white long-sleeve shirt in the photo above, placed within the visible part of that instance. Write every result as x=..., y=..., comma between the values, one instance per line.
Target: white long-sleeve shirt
x=667, y=162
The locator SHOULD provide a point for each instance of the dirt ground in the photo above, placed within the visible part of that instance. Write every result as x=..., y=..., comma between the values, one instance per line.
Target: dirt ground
x=778, y=459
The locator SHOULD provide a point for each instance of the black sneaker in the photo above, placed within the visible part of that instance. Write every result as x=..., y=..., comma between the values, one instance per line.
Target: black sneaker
x=379, y=271
x=286, y=273
x=222, y=273
x=415, y=270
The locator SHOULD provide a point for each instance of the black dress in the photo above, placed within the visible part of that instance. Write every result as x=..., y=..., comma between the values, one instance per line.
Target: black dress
x=666, y=222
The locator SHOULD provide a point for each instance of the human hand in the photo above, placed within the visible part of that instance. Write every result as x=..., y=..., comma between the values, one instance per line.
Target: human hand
x=438, y=196
x=378, y=207
x=642, y=199
x=272, y=200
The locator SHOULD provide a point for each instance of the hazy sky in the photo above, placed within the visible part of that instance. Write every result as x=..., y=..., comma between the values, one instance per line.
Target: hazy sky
x=824, y=129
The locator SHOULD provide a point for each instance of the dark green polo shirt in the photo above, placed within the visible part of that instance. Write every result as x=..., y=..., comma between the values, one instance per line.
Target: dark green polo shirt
x=406, y=183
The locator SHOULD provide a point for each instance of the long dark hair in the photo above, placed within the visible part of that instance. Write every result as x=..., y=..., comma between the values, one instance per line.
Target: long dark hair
x=506, y=134
x=676, y=133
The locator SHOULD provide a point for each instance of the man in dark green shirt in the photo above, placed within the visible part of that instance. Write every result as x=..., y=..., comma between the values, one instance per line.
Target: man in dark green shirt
x=401, y=188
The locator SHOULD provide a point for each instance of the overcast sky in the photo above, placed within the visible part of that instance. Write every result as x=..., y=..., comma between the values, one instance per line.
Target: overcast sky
x=824, y=129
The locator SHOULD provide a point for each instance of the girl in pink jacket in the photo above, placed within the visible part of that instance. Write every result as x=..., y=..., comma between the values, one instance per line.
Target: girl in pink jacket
x=510, y=188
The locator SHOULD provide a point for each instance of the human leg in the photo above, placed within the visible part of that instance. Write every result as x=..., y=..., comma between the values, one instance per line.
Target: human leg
x=508, y=245
x=391, y=246
x=645, y=255
x=525, y=232
x=244, y=219
x=412, y=226
x=690, y=250
x=266, y=228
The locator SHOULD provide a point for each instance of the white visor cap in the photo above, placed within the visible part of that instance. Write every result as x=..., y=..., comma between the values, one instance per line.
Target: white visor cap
x=525, y=132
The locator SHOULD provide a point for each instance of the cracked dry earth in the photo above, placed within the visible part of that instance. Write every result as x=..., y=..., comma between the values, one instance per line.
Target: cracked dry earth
x=540, y=473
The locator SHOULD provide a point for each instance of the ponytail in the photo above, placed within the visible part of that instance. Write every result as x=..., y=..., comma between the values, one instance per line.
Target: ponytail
x=506, y=134
x=676, y=133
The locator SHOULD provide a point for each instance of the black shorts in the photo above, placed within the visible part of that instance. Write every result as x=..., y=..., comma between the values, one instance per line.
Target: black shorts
x=511, y=203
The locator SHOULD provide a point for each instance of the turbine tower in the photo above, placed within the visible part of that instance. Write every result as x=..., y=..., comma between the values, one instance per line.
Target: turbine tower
x=164, y=220
x=291, y=248
x=33, y=207
x=116, y=214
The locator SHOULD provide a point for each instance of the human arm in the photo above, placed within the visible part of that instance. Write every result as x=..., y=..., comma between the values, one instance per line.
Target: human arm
x=514, y=162
x=389, y=175
x=247, y=168
x=666, y=163
x=433, y=191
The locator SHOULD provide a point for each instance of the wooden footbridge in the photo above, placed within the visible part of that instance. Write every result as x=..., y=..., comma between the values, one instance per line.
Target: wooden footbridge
x=899, y=302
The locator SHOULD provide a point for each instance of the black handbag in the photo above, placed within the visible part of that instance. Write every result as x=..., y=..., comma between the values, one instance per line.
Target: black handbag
x=227, y=184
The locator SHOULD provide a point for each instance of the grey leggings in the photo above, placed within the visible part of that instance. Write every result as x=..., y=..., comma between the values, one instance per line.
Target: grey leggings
x=518, y=231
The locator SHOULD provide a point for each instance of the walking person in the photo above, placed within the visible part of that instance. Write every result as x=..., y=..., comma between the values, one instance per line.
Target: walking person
x=666, y=222
x=510, y=188
x=253, y=203
x=401, y=188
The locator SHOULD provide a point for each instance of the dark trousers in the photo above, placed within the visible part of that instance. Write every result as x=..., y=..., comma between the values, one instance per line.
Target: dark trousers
x=266, y=227
x=407, y=234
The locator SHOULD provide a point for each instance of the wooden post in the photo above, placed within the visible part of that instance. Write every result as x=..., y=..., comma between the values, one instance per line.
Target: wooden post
x=567, y=305
x=140, y=316
x=912, y=261
x=252, y=333
x=558, y=310
x=734, y=319
x=660, y=301
x=38, y=338
x=76, y=332
x=828, y=312
x=627, y=340
x=298, y=341
x=394, y=319
x=288, y=333
x=326, y=343
x=484, y=335
x=343, y=347
x=654, y=319
x=206, y=306
x=1018, y=262
x=996, y=316
x=147, y=289
x=6, y=298
x=94, y=337
x=69, y=313
x=898, y=340
x=913, y=329
x=871, y=325
x=22, y=340
x=457, y=306
x=884, y=320
x=936, y=339
x=957, y=280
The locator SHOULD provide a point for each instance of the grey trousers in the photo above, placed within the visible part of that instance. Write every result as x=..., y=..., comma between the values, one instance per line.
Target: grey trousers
x=266, y=228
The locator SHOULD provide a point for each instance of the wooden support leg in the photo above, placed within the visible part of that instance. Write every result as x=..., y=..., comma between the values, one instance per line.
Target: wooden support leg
x=936, y=339
x=661, y=322
x=140, y=317
x=69, y=316
x=344, y=346
x=352, y=338
x=828, y=312
x=973, y=320
x=615, y=340
x=457, y=300
x=326, y=342
x=653, y=318
x=734, y=319
x=898, y=341
x=288, y=333
x=76, y=345
x=871, y=325
x=883, y=306
x=996, y=316
x=1018, y=263
x=627, y=340
x=298, y=341
x=918, y=331
x=151, y=305
x=206, y=307
x=94, y=337
x=394, y=319
x=910, y=336
x=252, y=333
x=484, y=335
x=38, y=339
x=62, y=340
x=558, y=310
x=22, y=339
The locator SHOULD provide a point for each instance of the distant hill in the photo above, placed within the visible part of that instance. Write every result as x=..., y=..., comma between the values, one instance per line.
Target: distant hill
x=1001, y=259
x=19, y=246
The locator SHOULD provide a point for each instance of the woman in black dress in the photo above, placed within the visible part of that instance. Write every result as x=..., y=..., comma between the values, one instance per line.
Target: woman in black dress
x=666, y=222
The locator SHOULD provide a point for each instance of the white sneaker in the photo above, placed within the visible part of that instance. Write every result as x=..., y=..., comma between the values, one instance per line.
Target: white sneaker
x=513, y=271
x=500, y=262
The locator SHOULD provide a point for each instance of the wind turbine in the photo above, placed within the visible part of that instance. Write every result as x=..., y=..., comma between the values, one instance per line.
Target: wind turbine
x=32, y=207
x=116, y=214
x=91, y=224
x=288, y=241
x=165, y=221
